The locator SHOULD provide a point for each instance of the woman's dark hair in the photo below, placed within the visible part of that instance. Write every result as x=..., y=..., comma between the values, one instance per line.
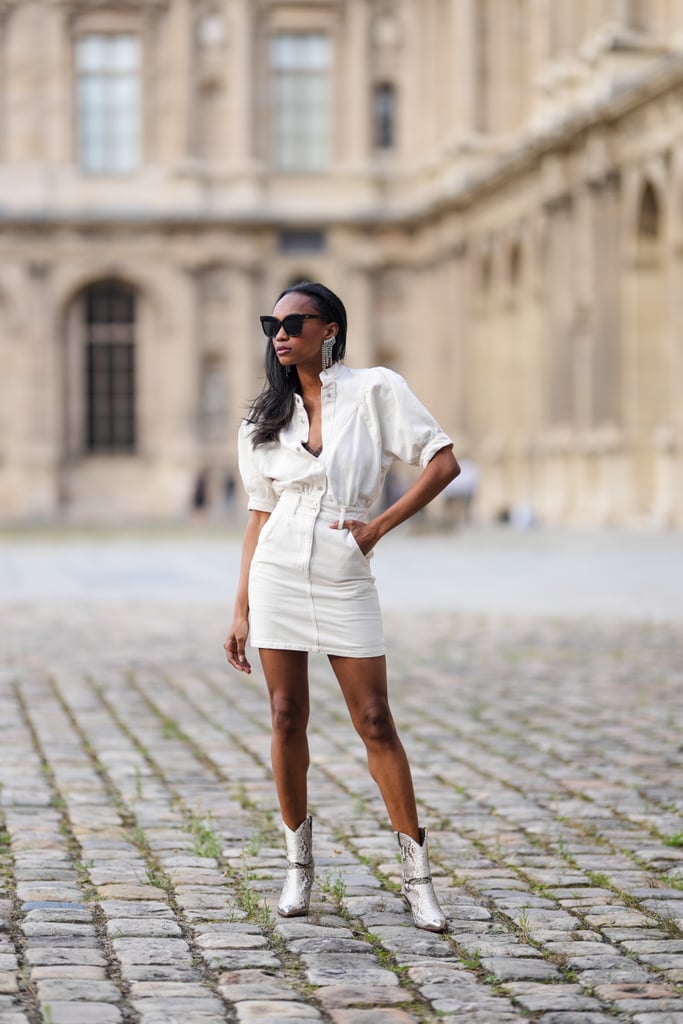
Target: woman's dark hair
x=274, y=407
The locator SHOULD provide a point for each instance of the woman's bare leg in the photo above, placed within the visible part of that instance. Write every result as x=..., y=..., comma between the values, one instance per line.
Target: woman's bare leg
x=363, y=682
x=286, y=675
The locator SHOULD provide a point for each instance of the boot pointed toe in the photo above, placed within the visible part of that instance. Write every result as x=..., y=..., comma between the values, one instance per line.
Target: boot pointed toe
x=296, y=892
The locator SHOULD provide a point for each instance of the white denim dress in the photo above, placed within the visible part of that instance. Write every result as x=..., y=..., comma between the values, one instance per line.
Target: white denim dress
x=310, y=587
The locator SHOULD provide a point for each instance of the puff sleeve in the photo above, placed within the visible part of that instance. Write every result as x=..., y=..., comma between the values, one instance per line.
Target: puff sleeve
x=259, y=487
x=409, y=431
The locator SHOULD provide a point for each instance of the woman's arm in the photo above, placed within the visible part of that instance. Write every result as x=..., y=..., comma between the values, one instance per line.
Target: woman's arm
x=237, y=637
x=438, y=472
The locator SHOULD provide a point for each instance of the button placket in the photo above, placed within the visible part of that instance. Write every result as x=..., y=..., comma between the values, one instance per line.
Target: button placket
x=328, y=401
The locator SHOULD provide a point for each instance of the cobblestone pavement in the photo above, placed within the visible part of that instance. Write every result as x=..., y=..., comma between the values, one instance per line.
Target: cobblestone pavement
x=141, y=859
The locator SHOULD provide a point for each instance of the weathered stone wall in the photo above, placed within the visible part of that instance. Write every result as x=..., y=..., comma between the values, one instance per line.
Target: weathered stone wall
x=516, y=253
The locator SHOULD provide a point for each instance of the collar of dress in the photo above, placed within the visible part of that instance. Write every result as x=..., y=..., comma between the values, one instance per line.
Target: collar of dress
x=332, y=373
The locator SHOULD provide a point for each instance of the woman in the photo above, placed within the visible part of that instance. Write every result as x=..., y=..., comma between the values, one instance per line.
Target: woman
x=313, y=454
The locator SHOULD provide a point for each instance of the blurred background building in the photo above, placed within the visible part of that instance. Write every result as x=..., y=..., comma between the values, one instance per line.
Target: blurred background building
x=495, y=187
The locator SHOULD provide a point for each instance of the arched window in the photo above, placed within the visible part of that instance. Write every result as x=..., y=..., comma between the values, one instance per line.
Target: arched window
x=515, y=267
x=486, y=273
x=109, y=311
x=384, y=116
x=649, y=214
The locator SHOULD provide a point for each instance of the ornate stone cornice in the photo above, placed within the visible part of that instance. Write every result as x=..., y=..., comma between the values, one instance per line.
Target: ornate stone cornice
x=75, y=8
x=266, y=4
x=146, y=12
x=149, y=9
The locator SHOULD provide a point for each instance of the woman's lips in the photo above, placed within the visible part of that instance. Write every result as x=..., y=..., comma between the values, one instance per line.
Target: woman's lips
x=283, y=351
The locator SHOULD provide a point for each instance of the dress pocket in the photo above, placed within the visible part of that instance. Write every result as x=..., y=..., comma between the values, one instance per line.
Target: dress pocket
x=266, y=529
x=356, y=546
x=269, y=548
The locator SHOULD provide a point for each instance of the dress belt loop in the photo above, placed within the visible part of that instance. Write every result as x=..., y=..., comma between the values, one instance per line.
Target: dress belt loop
x=342, y=517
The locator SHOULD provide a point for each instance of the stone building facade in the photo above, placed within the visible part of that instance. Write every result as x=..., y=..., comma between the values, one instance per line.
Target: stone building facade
x=495, y=187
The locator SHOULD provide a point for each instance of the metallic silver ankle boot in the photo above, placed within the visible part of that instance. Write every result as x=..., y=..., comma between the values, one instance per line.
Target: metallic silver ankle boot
x=417, y=887
x=296, y=892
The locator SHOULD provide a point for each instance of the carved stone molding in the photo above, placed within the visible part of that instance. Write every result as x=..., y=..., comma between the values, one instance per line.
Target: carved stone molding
x=385, y=31
x=265, y=5
x=77, y=7
x=149, y=10
x=130, y=15
x=211, y=29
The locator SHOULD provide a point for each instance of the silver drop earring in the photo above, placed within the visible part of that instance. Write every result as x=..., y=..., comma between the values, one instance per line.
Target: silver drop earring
x=328, y=345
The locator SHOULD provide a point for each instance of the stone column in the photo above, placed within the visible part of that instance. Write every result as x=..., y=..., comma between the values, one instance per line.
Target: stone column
x=173, y=87
x=155, y=84
x=605, y=399
x=560, y=301
x=499, y=67
x=58, y=89
x=411, y=96
x=18, y=363
x=581, y=317
x=465, y=364
x=432, y=80
x=44, y=428
x=5, y=11
x=449, y=299
x=167, y=379
x=667, y=440
x=353, y=100
x=241, y=107
x=357, y=295
x=244, y=351
x=676, y=290
x=23, y=74
x=464, y=43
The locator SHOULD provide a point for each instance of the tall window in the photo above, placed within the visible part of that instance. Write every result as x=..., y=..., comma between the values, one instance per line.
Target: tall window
x=300, y=76
x=108, y=101
x=384, y=114
x=109, y=312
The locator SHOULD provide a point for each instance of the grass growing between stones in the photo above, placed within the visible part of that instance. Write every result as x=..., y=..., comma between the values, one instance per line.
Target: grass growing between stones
x=207, y=842
x=73, y=848
x=671, y=926
x=158, y=879
x=253, y=847
x=134, y=832
x=334, y=886
x=27, y=987
x=524, y=926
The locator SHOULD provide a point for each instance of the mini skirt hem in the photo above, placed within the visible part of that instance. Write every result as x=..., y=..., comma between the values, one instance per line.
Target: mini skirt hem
x=280, y=645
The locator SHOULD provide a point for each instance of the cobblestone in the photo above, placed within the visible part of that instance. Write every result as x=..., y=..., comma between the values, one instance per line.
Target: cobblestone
x=140, y=855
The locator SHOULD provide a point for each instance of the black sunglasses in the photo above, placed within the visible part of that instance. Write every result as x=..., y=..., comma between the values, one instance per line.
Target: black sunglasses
x=293, y=324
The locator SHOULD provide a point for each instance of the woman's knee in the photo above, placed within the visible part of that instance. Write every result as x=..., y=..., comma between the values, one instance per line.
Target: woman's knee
x=376, y=724
x=288, y=716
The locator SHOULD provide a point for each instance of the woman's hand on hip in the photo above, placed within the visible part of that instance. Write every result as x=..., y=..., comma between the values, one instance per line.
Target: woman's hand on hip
x=235, y=644
x=364, y=534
